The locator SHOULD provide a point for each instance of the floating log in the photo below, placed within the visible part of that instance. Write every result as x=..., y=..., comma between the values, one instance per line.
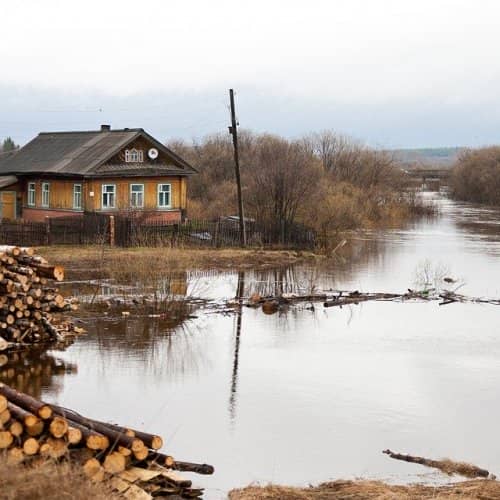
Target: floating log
x=447, y=466
x=192, y=467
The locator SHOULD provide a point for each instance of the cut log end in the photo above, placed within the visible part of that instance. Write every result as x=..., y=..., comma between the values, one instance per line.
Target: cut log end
x=58, y=427
x=16, y=428
x=97, y=442
x=141, y=454
x=91, y=467
x=6, y=439
x=3, y=403
x=15, y=456
x=74, y=435
x=114, y=463
x=45, y=412
x=156, y=442
x=31, y=446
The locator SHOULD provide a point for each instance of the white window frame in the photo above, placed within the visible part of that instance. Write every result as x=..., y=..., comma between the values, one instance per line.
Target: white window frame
x=160, y=192
x=104, y=192
x=77, y=206
x=133, y=203
x=31, y=194
x=134, y=155
x=46, y=194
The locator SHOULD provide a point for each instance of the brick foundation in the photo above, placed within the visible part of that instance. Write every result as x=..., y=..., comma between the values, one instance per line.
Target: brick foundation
x=39, y=215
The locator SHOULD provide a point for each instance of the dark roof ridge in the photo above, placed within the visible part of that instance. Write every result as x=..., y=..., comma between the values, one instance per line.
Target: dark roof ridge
x=121, y=130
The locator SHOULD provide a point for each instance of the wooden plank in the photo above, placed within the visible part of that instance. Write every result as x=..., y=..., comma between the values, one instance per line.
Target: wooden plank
x=136, y=493
x=142, y=474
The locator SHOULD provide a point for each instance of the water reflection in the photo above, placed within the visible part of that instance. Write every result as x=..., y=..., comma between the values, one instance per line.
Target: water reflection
x=240, y=291
x=163, y=347
x=35, y=371
x=310, y=395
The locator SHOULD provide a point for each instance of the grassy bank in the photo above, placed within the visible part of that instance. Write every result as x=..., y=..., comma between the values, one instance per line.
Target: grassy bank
x=49, y=482
x=374, y=490
x=123, y=263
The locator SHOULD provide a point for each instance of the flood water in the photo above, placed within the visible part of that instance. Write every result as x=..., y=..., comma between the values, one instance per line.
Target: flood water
x=306, y=396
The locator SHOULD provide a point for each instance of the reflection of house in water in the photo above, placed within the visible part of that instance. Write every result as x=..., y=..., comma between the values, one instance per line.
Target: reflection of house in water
x=35, y=371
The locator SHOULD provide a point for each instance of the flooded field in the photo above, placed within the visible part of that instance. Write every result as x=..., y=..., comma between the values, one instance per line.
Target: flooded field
x=308, y=394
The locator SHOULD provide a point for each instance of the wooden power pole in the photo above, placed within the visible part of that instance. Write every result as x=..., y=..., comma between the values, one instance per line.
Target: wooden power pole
x=234, y=132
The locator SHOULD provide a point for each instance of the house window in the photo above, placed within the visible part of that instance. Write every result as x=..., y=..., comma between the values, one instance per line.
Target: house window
x=31, y=194
x=45, y=194
x=137, y=195
x=108, y=195
x=164, y=195
x=134, y=155
x=77, y=196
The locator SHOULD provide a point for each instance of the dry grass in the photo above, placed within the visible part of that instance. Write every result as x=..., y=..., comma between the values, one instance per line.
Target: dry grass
x=122, y=262
x=49, y=482
x=376, y=490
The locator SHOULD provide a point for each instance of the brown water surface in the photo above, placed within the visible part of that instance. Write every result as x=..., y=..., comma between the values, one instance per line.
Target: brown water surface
x=305, y=396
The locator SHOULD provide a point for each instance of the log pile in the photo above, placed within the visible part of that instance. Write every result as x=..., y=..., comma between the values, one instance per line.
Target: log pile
x=32, y=432
x=29, y=302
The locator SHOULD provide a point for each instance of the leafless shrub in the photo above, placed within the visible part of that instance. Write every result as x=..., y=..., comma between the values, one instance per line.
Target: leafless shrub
x=476, y=176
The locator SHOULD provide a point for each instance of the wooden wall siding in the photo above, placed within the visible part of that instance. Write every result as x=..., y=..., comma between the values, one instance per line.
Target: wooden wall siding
x=61, y=193
x=179, y=198
x=144, y=145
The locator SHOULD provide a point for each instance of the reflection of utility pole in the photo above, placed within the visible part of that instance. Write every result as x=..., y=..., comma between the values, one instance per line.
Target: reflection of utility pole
x=234, y=377
x=233, y=130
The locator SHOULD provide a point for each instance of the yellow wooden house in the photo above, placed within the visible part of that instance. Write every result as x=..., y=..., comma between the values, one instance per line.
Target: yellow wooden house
x=107, y=171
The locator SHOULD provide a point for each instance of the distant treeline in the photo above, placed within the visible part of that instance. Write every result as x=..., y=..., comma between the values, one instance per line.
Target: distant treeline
x=8, y=145
x=476, y=176
x=324, y=181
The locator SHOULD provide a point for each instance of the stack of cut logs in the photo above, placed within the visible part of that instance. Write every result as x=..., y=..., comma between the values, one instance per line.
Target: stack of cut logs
x=29, y=303
x=33, y=432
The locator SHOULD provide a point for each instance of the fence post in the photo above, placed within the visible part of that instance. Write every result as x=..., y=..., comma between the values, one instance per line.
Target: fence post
x=112, y=230
x=216, y=233
x=47, y=230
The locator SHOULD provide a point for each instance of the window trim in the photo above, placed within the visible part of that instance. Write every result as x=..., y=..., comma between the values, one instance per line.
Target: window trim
x=30, y=191
x=169, y=195
x=134, y=155
x=142, y=193
x=103, y=192
x=45, y=191
x=75, y=206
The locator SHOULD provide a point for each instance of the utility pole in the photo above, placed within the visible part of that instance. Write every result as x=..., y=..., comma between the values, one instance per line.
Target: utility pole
x=234, y=132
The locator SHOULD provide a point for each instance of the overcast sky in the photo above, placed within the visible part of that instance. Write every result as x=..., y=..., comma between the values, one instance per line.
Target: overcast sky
x=400, y=73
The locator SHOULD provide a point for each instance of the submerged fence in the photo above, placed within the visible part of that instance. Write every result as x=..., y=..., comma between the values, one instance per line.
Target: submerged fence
x=127, y=231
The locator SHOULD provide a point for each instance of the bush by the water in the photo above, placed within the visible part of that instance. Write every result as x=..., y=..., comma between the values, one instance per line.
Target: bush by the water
x=324, y=181
x=476, y=176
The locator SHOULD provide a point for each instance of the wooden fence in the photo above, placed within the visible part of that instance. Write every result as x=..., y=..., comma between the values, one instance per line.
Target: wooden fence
x=126, y=231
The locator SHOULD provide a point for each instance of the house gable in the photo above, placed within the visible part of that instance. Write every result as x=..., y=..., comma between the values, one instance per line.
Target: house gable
x=142, y=145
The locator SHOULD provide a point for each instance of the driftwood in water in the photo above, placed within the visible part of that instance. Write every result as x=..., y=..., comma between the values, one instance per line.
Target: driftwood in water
x=447, y=466
x=343, y=298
